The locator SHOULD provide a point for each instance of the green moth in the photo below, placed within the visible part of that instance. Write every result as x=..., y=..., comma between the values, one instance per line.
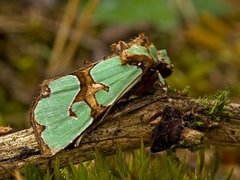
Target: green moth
x=68, y=105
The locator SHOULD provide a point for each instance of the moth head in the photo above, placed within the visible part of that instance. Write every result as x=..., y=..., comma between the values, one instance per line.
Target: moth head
x=162, y=62
x=166, y=65
x=143, y=54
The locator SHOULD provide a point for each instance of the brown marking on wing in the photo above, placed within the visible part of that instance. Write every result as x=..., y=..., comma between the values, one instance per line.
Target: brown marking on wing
x=88, y=89
x=120, y=46
x=38, y=128
x=142, y=61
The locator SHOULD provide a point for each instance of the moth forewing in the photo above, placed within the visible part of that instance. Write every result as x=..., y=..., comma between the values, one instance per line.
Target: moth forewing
x=54, y=125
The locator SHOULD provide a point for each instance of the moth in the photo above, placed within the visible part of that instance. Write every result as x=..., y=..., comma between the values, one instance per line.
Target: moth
x=68, y=105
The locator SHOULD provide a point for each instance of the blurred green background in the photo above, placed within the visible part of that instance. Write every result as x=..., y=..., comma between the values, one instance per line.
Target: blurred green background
x=202, y=38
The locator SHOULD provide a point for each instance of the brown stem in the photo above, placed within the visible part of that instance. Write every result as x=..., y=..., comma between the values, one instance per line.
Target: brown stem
x=127, y=123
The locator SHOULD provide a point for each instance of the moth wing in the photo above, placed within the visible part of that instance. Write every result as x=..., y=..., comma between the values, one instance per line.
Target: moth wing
x=54, y=126
x=117, y=77
x=53, y=123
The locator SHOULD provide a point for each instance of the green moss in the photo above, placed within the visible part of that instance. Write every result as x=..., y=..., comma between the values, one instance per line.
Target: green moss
x=215, y=105
x=221, y=99
x=138, y=164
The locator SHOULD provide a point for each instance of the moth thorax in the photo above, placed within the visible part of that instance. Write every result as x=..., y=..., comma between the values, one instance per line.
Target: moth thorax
x=117, y=48
x=141, y=40
x=142, y=61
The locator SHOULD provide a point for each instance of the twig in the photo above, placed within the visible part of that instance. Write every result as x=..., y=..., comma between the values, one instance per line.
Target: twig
x=125, y=126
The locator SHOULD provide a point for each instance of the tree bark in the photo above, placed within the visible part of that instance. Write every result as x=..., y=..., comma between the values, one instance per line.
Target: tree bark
x=127, y=123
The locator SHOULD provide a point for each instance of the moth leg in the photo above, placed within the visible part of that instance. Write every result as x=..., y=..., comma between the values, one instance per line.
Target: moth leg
x=161, y=79
x=78, y=141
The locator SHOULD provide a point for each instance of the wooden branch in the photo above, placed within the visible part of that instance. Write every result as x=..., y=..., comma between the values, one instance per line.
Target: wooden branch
x=128, y=123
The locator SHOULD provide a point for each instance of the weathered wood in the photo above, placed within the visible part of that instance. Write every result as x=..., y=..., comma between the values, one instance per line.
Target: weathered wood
x=125, y=126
